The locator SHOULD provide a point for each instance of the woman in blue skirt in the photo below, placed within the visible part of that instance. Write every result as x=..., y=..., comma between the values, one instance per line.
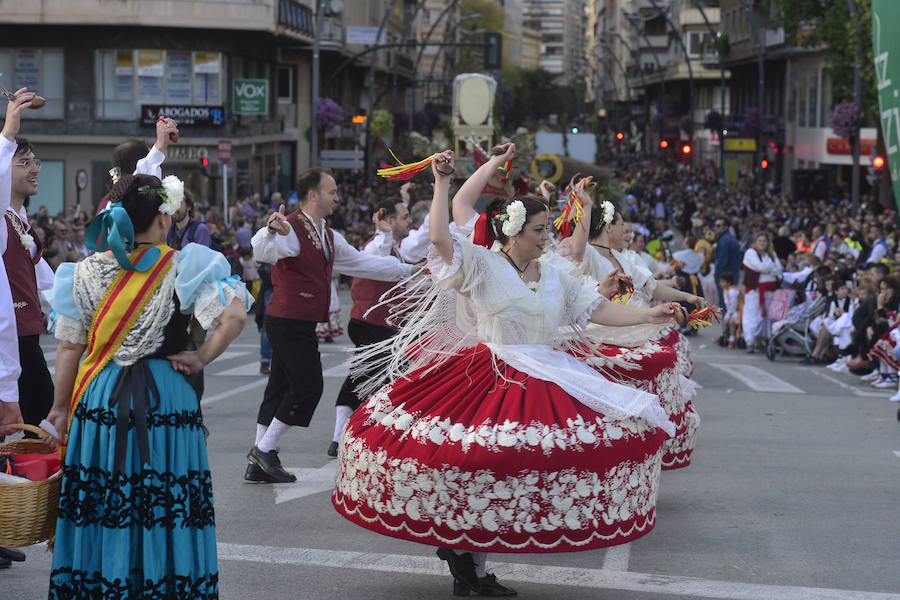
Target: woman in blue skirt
x=136, y=511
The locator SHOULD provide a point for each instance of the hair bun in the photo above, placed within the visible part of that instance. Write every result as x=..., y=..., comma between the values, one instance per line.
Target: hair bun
x=122, y=188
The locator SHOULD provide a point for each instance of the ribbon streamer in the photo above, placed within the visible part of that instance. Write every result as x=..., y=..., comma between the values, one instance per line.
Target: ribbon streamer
x=703, y=317
x=570, y=204
x=112, y=230
x=403, y=172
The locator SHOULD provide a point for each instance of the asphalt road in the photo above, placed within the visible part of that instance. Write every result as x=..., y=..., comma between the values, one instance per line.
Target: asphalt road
x=793, y=493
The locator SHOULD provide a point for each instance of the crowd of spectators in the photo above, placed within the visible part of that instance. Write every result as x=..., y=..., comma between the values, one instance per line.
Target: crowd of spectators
x=813, y=248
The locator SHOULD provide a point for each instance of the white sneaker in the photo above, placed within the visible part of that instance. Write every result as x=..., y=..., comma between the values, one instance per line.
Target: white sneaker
x=841, y=368
x=842, y=360
x=871, y=377
x=895, y=397
x=885, y=382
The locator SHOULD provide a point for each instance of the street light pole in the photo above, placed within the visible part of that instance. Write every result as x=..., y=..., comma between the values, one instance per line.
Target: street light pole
x=715, y=37
x=687, y=59
x=370, y=146
x=857, y=96
x=762, y=74
x=662, y=76
x=637, y=57
x=314, y=117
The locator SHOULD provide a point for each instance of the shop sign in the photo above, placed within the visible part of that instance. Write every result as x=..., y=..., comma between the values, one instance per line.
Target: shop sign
x=836, y=145
x=184, y=115
x=150, y=63
x=179, y=153
x=251, y=96
x=738, y=144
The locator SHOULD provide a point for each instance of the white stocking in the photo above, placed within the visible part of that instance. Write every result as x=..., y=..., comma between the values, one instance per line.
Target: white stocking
x=273, y=433
x=341, y=416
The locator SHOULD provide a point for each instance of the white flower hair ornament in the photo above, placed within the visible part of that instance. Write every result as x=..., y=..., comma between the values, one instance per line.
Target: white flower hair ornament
x=513, y=218
x=609, y=212
x=173, y=196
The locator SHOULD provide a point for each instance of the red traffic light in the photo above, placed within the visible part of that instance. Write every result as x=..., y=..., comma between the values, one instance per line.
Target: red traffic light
x=664, y=144
x=620, y=136
x=686, y=149
x=764, y=164
x=878, y=162
x=204, y=162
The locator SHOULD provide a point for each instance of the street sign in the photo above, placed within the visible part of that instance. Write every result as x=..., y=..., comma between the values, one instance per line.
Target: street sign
x=81, y=180
x=224, y=151
x=738, y=144
x=342, y=159
x=251, y=96
x=365, y=36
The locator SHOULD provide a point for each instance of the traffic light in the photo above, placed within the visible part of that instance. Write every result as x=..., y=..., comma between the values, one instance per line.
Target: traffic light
x=493, y=51
x=686, y=149
x=878, y=162
x=204, y=166
x=764, y=164
x=663, y=144
x=620, y=136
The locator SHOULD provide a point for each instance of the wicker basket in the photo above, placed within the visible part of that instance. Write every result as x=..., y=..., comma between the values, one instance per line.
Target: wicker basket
x=28, y=510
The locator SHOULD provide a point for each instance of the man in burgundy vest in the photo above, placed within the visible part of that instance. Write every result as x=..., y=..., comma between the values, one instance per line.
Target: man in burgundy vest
x=370, y=326
x=22, y=256
x=303, y=252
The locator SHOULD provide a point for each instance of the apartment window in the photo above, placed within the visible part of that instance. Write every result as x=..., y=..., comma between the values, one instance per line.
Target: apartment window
x=285, y=84
x=695, y=40
x=125, y=79
x=813, y=102
x=41, y=71
x=826, y=99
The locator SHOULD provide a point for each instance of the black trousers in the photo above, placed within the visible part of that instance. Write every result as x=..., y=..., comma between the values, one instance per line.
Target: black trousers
x=295, y=380
x=35, y=383
x=361, y=334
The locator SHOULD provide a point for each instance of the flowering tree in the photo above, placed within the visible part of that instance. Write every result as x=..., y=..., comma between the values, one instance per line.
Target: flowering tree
x=382, y=123
x=328, y=113
x=845, y=119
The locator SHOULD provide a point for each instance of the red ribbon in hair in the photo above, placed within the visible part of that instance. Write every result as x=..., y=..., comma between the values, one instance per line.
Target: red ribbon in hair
x=482, y=234
x=566, y=230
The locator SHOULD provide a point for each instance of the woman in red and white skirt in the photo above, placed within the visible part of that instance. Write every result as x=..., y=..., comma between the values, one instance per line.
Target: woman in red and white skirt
x=488, y=439
x=639, y=355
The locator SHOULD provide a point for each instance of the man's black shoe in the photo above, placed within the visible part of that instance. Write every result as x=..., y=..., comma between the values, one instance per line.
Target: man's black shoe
x=270, y=465
x=462, y=567
x=5, y=563
x=10, y=554
x=254, y=474
x=491, y=587
x=332, y=449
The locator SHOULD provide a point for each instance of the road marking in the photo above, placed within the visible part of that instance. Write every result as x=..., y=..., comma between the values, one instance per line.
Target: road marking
x=672, y=585
x=616, y=558
x=757, y=379
x=229, y=354
x=244, y=370
x=854, y=390
x=244, y=388
x=309, y=482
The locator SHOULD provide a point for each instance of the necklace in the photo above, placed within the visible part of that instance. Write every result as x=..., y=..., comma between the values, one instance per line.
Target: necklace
x=521, y=272
x=607, y=248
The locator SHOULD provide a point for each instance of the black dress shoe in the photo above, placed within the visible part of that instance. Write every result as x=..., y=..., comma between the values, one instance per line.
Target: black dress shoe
x=254, y=474
x=462, y=567
x=489, y=586
x=459, y=588
x=332, y=449
x=270, y=465
x=10, y=554
x=5, y=563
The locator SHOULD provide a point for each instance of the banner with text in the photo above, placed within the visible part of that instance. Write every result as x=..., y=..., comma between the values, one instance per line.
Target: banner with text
x=886, y=49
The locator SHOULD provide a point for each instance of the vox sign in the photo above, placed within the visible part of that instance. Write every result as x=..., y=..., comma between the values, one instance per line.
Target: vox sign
x=251, y=96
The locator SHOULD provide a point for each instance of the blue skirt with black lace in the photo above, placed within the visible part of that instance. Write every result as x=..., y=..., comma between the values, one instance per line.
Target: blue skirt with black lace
x=136, y=511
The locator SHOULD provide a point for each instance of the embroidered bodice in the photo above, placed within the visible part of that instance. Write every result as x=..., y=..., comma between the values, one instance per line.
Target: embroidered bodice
x=200, y=284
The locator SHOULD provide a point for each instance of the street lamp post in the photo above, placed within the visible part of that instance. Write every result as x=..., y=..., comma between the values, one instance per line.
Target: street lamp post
x=687, y=59
x=662, y=75
x=759, y=58
x=715, y=36
x=314, y=117
x=857, y=96
x=637, y=57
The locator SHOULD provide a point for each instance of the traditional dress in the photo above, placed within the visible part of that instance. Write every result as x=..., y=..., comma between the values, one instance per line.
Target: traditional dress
x=490, y=440
x=761, y=275
x=136, y=510
x=639, y=355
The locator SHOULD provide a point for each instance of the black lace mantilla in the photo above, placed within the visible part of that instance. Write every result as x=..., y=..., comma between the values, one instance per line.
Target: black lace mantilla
x=94, y=496
x=71, y=584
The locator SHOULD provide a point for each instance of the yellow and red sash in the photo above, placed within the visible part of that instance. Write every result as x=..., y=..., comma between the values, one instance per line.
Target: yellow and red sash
x=118, y=310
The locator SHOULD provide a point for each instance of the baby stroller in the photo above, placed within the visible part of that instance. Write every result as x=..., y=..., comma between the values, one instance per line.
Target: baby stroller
x=791, y=334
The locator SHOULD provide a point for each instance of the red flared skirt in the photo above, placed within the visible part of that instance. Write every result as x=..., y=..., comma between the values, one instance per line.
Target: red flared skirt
x=468, y=458
x=652, y=367
x=671, y=337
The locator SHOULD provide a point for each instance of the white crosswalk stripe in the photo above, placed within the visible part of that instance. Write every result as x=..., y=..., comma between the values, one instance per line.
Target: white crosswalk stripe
x=757, y=379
